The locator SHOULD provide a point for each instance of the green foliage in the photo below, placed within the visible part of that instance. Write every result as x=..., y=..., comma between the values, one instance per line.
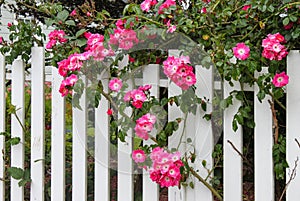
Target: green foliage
x=23, y=36
x=280, y=163
x=19, y=174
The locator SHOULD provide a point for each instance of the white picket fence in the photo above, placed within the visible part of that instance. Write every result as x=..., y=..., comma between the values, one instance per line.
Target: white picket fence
x=264, y=177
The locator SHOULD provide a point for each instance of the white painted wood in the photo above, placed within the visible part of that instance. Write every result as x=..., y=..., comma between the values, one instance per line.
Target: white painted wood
x=293, y=126
x=2, y=123
x=173, y=113
x=17, y=151
x=263, y=146
x=102, y=147
x=37, y=124
x=125, y=164
x=232, y=171
x=79, y=151
x=150, y=76
x=202, y=135
x=57, y=140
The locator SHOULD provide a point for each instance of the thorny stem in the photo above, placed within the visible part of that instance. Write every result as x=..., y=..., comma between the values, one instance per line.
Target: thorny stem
x=276, y=127
x=183, y=131
x=214, y=191
x=18, y=119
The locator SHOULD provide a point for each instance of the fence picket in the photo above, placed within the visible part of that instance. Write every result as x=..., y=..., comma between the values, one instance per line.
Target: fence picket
x=150, y=76
x=79, y=151
x=263, y=146
x=232, y=171
x=102, y=148
x=174, y=112
x=57, y=140
x=38, y=124
x=293, y=126
x=18, y=100
x=203, y=131
x=125, y=165
x=2, y=124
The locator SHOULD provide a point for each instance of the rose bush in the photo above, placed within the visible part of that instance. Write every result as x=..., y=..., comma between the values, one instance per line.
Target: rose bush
x=239, y=38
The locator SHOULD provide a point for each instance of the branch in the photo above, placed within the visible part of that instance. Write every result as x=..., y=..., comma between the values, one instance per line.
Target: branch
x=292, y=176
x=214, y=192
x=242, y=156
x=297, y=142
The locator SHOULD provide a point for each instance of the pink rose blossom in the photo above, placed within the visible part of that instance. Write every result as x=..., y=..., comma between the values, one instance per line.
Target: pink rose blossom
x=9, y=24
x=115, y=84
x=66, y=84
x=144, y=125
x=280, y=79
x=204, y=10
x=50, y=44
x=166, y=5
x=138, y=95
x=73, y=13
x=138, y=156
x=241, y=51
x=246, y=7
x=146, y=5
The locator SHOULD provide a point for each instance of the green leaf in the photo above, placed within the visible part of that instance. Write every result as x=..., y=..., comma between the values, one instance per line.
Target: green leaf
x=192, y=185
x=223, y=104
x=49, y=22
x=81, y=42
x=15, y=172
x=234, y=125
x=203, y=105
x=23, y=182
x=70, y=23
x=204, y=163
x=80, y=32
x=293, y=18
x=63, y=15
x=137, y=142
x=286, y=21
x=14, y=141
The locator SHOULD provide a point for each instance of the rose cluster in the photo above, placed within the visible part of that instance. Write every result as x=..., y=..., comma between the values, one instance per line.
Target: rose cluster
x=123, y=38
x=95, y=47
x=54, y=37
x=144, y=125
x=178, y=70
x=68, y=66
x=137, y=96
x=165, y=168
x=147, y=4
x=67, y=83
x=273, y=49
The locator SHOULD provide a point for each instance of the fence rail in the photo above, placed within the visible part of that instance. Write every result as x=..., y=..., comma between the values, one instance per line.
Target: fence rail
x=233, y=164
